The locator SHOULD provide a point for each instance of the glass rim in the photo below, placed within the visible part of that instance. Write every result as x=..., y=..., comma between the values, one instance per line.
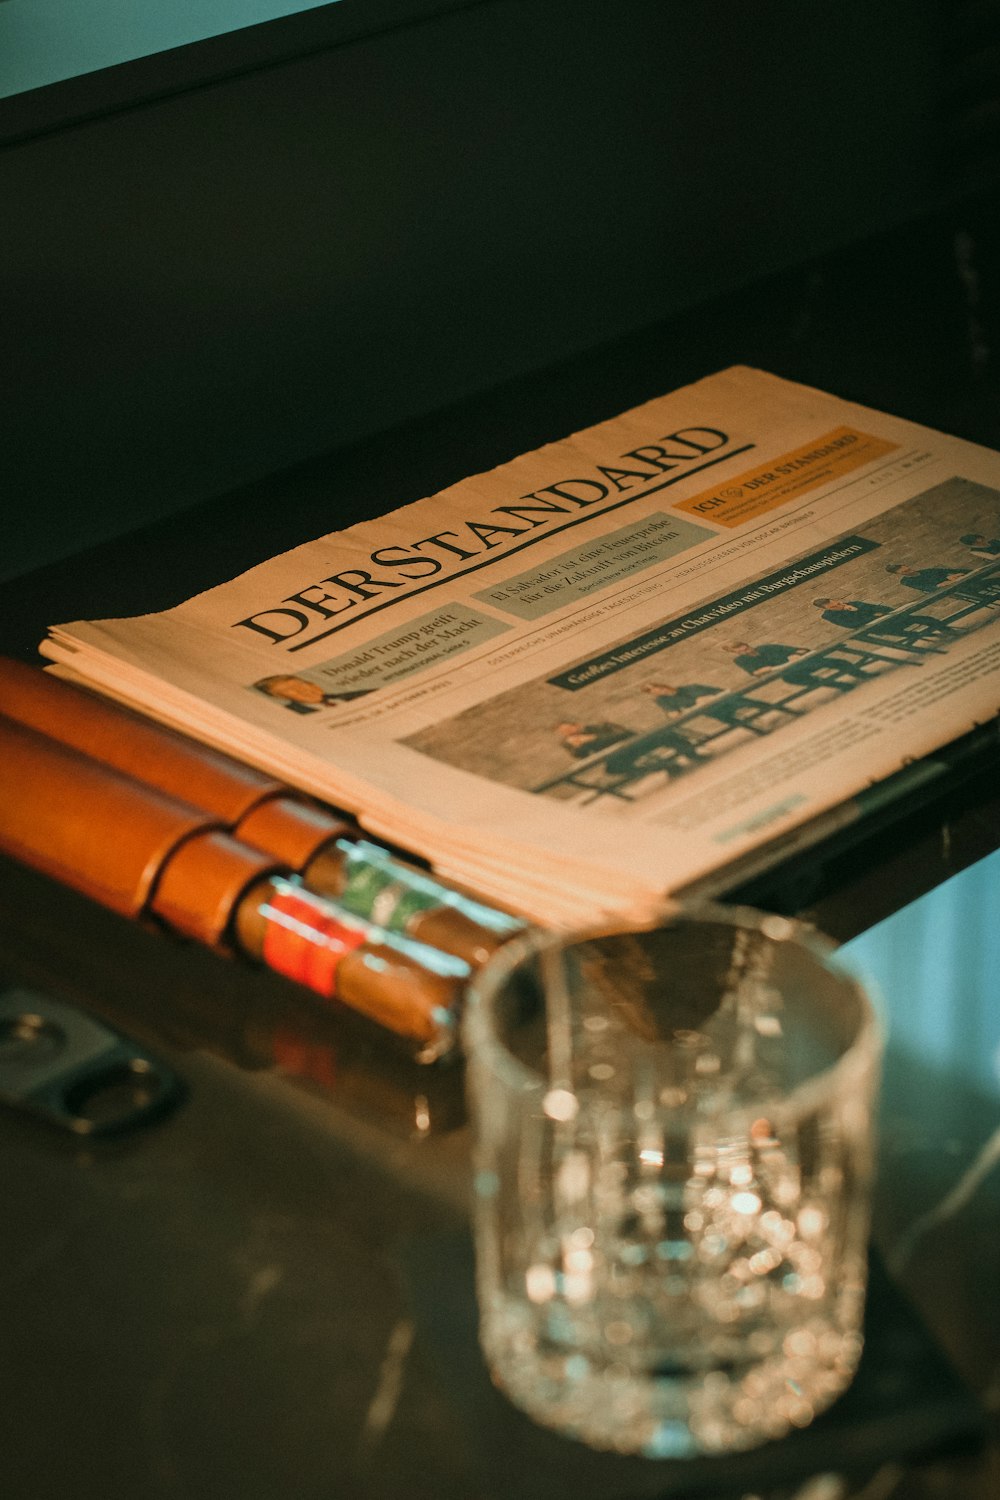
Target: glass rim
x=489, y=1049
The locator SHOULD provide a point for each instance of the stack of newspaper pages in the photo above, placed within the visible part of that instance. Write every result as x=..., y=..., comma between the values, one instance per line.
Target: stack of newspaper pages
x=615, y=667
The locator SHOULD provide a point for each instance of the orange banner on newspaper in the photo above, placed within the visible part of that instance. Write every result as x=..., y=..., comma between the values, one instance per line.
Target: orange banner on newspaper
x=785, y=478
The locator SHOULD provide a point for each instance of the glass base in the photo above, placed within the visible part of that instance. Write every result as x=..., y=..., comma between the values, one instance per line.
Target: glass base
x=679, y=1414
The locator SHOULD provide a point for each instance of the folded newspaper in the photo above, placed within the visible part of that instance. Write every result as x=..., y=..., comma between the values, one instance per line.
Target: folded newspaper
x=615, y=668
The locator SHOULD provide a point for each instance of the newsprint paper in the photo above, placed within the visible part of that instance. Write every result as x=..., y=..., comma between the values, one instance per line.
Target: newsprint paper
x=617, y=666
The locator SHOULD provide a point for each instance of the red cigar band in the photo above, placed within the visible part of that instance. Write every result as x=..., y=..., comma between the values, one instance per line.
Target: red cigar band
x=305, y=942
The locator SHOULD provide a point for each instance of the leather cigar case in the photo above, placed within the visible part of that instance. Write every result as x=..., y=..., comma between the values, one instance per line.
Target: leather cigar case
x=128, y=846
x=120, y=738
x=262, y=811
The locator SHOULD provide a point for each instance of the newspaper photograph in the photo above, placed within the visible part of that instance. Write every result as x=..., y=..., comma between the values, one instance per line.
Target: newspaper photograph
x=583, y=681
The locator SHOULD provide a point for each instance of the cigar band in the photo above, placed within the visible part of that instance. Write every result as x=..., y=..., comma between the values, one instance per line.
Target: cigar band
x=410, y=903
x=384, y=895
x=306, y=943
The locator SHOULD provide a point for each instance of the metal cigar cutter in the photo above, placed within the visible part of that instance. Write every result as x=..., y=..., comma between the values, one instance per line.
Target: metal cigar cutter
x=66, y=1067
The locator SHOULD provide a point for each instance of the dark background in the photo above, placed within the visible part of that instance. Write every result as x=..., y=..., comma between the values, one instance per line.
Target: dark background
x=227, y=259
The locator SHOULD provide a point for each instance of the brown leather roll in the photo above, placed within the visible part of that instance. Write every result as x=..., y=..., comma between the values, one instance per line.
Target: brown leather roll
x=136, y=746
x=291, y=830
x=202, y=881
x=84, y=824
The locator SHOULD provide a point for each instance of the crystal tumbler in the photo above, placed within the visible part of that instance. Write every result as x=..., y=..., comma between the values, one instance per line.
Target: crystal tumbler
x=673, y=1155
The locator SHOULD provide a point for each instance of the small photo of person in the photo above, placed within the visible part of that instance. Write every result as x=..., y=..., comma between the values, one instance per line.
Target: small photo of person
x=581, y=740
x=673, y=700
x=303, y=696
x=819, y=672
x=859, y=614
x=763, y=657
x=984, y=546
x=926, y=580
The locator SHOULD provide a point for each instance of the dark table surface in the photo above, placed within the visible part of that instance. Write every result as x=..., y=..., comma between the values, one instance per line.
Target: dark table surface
x=266, y=1292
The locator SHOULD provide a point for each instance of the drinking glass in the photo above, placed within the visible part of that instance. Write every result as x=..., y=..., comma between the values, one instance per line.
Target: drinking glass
x=673, y=1143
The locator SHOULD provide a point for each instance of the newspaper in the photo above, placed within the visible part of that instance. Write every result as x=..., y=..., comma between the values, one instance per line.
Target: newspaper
x=602, y=671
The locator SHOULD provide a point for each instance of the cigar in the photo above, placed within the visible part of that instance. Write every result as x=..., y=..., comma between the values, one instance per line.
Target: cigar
x=325, y=847
x=409, y=988
x=400, y=897
x=144, y=853
x=85, y=825
x=367, y=880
